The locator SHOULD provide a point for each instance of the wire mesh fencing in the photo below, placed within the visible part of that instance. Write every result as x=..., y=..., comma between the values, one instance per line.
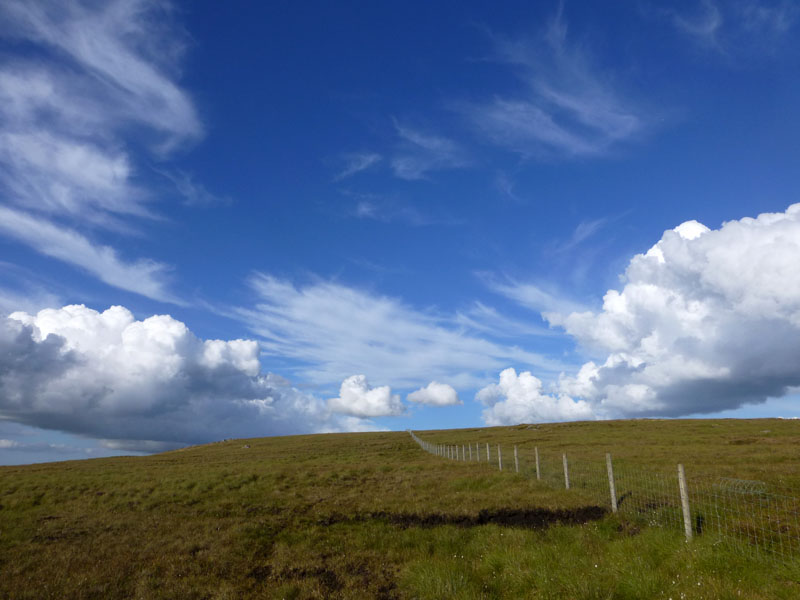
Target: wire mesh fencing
x=742, y=514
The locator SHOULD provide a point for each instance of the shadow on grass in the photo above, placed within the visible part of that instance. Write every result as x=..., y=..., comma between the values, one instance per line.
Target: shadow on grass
x=524, y=518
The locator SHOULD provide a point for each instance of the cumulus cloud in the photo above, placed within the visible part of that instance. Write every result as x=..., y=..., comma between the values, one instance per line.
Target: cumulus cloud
x=358, y=399
x=520, y=399
x=436, y=394
x=707, y=320
x=144, y=385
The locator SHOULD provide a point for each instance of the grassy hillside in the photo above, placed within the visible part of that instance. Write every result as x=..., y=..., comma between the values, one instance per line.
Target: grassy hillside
x=373, y=516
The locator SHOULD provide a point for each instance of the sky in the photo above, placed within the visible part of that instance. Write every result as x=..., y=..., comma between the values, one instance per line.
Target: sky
x=240, y=220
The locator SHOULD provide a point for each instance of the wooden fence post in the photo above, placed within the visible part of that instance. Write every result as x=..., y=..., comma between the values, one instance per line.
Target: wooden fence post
x=488, y=453
x=687, y=516
x=612, y=488
x=499, y=458
x=536, y=453
x=516, y=460
x=566, y=471
x=478, y=451
x=463, y=452
x=470, y=452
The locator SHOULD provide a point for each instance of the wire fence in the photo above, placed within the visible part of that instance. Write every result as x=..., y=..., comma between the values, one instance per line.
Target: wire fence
x=742, y=514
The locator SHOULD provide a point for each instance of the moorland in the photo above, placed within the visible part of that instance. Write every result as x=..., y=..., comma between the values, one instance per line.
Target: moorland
x=371, y=515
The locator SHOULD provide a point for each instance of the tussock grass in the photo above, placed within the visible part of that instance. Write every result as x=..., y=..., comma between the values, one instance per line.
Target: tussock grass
x=373, y=516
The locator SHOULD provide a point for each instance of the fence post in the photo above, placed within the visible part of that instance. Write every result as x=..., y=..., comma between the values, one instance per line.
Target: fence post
x=536, y=452
x=499, y=458
x=463, y=452
x=516, y=460
x=687, y=516
x=612, y=488
x=478, y=451
x=566, y=471
x=456, y=452
x=488, y=453
x=470, y=452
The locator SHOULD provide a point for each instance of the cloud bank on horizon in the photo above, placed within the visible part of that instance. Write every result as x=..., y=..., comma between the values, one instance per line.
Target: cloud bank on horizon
x=672, y=340
x=145, y=385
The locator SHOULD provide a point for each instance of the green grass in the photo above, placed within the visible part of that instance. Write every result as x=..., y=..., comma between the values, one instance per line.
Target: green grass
x=373, y=516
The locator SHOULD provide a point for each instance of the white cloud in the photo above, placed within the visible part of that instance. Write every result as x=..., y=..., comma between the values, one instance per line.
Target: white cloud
x=358, y=399
x=334, y=330
x=485, y=319
x=194, y=193
x=387, y=210
x=145, y=277
x=143, y=385
x=420, y=153
x=125, y=47
x=58, y=175
x=531, y=295
x=102, y=71
x=704, y=25
x=768, y=19
x=736, y=29
x=435, y=394
x=569, y=108
x=707, y=320
x=355, y=162
x=519, y=399
x=584, y=231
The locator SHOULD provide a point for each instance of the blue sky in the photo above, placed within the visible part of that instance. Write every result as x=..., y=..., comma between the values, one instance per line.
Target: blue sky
x=359, y=216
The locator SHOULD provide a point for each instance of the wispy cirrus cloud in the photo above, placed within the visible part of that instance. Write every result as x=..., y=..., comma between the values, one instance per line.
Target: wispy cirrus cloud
x=421, y=152
x=192, y=191
x=333, y=330
x=356, y=162
x=735, y=29
x=703, y=24
x=533, y=296
x=393, y=208
x=103, y=74
x=568, y=109
x=143, y=276
x=584, y=231
x=485, y=319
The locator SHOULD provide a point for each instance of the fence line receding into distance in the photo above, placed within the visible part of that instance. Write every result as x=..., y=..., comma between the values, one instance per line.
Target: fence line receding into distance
x=740, y=513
